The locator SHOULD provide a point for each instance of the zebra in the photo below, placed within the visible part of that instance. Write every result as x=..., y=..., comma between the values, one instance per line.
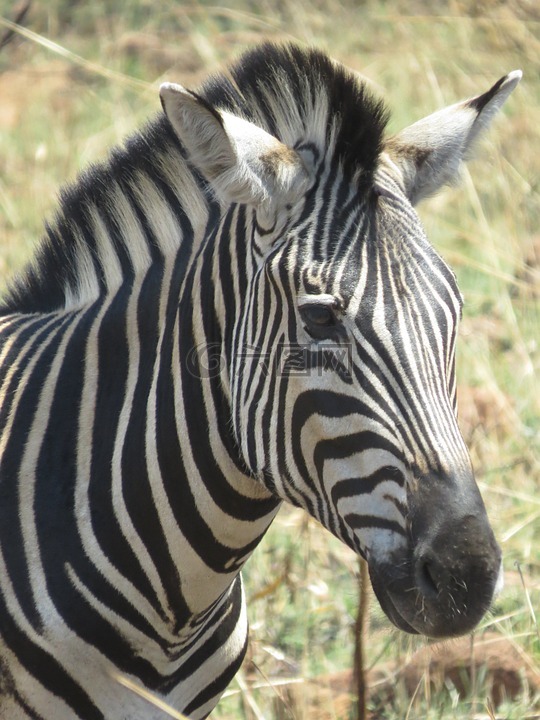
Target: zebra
x=238, y=308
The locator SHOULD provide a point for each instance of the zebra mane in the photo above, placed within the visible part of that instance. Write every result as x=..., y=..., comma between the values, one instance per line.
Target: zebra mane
x=298, y=95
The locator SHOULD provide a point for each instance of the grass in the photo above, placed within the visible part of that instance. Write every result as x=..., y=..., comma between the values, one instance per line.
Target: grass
x=63, y=105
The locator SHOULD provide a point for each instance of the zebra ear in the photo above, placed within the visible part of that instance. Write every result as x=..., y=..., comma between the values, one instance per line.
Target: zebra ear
x=242, y=162
x=429, y=153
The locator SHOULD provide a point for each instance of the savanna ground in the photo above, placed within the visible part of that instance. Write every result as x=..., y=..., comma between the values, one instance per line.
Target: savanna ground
x=82, y=75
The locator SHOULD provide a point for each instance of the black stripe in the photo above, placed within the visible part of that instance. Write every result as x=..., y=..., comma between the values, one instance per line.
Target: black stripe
x=11, y=531
x=44, y=666
x=358, y=522
x=211, y=647
x=365, y=485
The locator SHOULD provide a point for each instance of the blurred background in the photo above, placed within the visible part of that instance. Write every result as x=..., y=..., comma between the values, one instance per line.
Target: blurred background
x=76, y=77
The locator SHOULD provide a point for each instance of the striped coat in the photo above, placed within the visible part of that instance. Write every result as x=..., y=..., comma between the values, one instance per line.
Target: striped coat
x=238, y=308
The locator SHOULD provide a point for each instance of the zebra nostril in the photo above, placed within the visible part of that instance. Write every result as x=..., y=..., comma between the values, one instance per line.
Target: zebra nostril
x=426, y=578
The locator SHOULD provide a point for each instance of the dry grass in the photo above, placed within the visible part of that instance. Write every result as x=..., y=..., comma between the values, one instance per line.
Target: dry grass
x=84, y=74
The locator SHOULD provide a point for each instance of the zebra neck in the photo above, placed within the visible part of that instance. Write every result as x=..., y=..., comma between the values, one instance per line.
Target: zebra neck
x=118, y=222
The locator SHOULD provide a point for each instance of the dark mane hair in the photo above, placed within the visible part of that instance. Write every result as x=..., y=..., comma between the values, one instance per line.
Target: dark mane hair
x=298, y=95
x=290, y=91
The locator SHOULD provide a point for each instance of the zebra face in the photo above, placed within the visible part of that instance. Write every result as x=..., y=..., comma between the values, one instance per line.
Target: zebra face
x=339, y=357
x=366, y=438
x=369, y=443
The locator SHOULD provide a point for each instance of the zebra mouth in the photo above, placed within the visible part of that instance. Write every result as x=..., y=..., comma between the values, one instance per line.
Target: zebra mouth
x=388, y=605
x=442, y=581
x=393, y=614
x=416, y=605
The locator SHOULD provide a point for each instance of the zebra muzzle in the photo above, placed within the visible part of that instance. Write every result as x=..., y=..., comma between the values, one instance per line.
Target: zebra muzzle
x=445, y=581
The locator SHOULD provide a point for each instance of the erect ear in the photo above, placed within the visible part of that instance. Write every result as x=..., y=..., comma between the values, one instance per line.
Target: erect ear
x=242, y=162
x=428, y=154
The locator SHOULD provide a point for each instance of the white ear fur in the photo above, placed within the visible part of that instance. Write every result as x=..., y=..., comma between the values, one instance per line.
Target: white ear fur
x=429, y=153
x=242, y=162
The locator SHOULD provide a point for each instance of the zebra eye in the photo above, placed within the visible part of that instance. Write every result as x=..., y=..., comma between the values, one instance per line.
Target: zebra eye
x=319, y=317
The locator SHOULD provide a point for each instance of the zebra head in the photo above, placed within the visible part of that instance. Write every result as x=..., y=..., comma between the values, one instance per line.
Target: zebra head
x=337, y=343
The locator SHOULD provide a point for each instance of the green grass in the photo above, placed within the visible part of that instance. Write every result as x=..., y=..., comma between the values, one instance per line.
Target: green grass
x=59, y=112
